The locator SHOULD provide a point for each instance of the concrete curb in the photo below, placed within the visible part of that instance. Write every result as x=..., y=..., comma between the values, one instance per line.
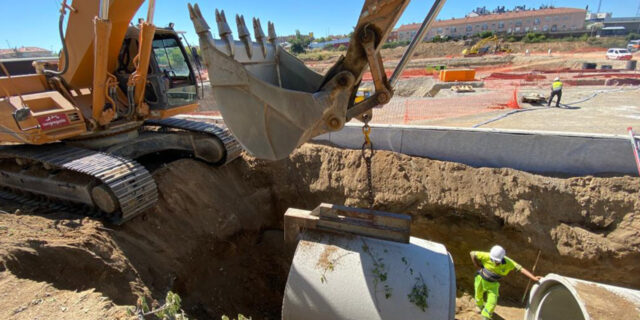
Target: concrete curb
x=564, y=153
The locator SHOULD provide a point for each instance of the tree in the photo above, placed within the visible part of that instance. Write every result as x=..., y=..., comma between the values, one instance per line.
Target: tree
x=297, y=46
x=299, y=43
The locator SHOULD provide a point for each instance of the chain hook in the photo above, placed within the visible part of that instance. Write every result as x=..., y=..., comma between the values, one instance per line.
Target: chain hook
x=367, y=156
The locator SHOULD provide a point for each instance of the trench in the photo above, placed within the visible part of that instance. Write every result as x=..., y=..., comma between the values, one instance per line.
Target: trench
x=215, y=236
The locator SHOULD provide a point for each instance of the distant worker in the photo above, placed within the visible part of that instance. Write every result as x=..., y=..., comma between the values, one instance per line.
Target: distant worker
x=556, y=90
x=492, y=267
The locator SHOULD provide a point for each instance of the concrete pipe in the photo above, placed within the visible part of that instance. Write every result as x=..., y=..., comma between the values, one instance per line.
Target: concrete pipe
x=358, y=277
x=559, y=298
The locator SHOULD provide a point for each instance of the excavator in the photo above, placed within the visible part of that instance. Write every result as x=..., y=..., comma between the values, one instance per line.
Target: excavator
x=71, y=135
x=484, y=46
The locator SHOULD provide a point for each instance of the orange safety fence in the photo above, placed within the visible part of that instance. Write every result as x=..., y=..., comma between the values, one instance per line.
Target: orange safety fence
x=414, y=110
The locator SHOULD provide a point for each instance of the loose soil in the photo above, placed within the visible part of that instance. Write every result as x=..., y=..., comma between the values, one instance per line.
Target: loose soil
x=215, y=235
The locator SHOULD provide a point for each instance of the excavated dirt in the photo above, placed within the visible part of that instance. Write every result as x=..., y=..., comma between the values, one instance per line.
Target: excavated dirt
x=215, y=236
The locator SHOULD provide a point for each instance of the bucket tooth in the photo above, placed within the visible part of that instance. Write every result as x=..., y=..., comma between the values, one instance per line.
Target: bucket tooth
x=225, y=32
x=272, y=33
x=243, y=34
x=259, y=34
x=199, y=23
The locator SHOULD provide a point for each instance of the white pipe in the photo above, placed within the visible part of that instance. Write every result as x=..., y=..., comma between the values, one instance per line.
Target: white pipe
x=356, y=277
x=558, y=298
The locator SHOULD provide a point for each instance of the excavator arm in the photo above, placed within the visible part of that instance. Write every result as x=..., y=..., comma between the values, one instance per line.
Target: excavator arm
x=273, y=103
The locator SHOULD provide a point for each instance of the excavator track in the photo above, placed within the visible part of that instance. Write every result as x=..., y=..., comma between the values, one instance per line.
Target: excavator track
x=233, y=149
x=116, y=188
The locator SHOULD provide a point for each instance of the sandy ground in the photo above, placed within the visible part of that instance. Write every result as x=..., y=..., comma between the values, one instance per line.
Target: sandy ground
x=214, y=236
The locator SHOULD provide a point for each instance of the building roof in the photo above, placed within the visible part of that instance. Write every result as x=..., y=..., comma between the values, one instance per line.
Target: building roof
x=23, y=49
x=496, y=16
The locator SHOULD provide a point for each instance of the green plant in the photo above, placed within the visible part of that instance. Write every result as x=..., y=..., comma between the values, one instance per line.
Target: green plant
x=534, y=37
x=299, y=43
x=485, y=34
x=342, y=47
x=379, y=271
x=394, y=44
x=330, y=266
x=419, y=294
x=171, y=310
x=632, y=36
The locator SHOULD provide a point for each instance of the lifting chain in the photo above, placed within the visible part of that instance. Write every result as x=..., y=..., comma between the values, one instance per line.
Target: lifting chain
x=367, y=154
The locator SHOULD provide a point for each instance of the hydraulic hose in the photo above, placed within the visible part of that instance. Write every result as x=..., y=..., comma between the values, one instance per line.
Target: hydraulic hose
x=64, y=45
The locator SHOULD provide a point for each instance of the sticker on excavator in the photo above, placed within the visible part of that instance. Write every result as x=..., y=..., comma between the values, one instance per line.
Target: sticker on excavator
x=53, y=121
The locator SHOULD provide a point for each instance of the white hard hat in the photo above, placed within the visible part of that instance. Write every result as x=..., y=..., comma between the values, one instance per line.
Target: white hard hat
x=556, y=79
x=497, y=253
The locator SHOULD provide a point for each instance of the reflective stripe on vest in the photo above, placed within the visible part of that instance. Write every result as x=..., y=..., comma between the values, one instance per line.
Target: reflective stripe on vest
x=489, y=276
x=556, y=86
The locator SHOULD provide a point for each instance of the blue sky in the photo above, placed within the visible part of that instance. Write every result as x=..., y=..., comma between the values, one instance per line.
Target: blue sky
x=34, y=22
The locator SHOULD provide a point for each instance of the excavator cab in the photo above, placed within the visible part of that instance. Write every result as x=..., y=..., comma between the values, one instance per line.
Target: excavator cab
x=171, y=81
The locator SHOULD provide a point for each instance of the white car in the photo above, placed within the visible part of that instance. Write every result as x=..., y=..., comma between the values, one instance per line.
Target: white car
x=618, y=54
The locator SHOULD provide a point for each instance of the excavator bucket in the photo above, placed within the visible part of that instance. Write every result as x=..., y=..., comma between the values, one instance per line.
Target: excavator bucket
x=270, y=100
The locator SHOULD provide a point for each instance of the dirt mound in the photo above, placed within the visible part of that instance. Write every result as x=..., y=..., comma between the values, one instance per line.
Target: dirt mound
x=214, y=236
x=412, y=87
x=208, y=239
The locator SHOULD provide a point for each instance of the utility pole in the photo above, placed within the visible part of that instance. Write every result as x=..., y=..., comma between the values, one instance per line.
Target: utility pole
x=599, y=4
x=638, y=11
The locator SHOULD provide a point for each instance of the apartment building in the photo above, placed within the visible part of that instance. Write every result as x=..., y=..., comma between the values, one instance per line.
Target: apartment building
x=523, y=21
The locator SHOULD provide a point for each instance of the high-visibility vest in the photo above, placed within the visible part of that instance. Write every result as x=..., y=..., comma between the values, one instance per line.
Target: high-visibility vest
x=556, y=86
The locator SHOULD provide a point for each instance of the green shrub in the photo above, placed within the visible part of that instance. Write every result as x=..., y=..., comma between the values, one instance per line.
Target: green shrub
x=632, y=36
x=485, y=34
x=534, y=37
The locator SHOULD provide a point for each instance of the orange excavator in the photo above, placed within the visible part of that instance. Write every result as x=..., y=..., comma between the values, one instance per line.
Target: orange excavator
x=70, y=136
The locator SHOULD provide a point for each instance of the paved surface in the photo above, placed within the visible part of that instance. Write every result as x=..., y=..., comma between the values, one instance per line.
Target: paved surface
x=611, y=111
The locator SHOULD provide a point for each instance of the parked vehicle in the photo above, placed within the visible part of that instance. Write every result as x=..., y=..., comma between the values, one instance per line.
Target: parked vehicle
x=618, y=54
x=633, y=45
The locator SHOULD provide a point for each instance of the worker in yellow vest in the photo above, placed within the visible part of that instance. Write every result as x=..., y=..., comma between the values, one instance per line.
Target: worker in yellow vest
x=556, y=90
x=492, y=267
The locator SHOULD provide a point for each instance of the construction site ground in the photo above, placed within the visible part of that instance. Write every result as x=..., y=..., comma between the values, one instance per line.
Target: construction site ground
x=215, y=236
x=600, y=101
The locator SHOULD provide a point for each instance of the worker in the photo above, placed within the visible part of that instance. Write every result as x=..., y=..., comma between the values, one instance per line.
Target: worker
x=492, y=267
x=556, y=90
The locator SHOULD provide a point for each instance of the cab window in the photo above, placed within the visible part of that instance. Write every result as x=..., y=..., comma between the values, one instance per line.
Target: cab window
x=174, y=69
x=170, y=58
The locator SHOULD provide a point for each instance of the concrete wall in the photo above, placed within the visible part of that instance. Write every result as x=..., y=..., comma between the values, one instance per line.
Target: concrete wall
x=537, y=152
